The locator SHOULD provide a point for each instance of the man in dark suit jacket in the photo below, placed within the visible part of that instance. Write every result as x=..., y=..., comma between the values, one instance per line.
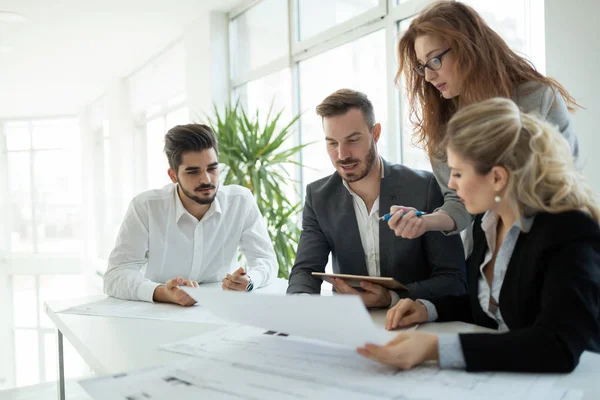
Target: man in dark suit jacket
x=341, y=216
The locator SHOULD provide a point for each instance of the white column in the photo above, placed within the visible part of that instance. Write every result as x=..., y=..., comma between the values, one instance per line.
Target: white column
x=573, y=57
x=123, y=150
x=91, y=185
x=206, y=64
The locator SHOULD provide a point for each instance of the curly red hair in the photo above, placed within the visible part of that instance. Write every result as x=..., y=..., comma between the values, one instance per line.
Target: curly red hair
x=488, y=68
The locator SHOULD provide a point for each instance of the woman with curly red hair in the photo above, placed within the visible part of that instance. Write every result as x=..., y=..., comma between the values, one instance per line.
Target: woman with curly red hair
x=451, y=59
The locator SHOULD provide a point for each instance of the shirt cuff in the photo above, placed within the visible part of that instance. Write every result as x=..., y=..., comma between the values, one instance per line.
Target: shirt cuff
x=257, y=276
x=432, y=314
x=146, y=290
x=450, y=351
x=395, y=298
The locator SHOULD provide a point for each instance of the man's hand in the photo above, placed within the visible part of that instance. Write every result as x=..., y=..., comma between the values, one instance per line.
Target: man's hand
x=374, y=295
x=406, y=312
x=237, y=281
x=170, y=292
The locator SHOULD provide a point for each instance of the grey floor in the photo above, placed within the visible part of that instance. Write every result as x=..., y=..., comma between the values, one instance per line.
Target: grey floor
x=45, y=391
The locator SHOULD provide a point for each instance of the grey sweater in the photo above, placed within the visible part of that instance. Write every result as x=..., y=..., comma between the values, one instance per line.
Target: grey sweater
x=531, y=97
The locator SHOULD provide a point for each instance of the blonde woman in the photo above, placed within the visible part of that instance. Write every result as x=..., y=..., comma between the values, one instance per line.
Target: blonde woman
x=451, y=58
x=534, y=273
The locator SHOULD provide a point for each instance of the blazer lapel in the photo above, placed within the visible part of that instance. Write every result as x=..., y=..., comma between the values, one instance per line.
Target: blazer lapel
x=513, y=281
x=390, y=194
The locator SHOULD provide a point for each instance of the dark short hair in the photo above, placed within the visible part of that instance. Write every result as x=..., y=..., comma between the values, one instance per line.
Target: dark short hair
x=343, y=100
x=184, y=138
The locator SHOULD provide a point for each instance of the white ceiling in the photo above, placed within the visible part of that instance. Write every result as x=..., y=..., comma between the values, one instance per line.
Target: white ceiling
x=68, y=51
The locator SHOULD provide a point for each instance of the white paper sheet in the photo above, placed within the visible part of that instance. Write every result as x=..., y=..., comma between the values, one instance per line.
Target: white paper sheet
x=319, y=361
x=338, y=319
x=111, y=307
x=214, y=380
x=244, y=362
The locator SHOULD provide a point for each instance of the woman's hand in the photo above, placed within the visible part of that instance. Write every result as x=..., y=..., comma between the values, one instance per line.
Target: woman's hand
x=405, y=351
x=405, y=222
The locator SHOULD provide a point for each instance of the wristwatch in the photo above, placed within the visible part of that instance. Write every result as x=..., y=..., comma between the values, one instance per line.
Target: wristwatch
x=250, y=285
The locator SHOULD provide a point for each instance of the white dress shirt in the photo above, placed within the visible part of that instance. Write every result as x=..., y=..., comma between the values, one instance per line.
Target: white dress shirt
x=158, y=233
x=368, y=228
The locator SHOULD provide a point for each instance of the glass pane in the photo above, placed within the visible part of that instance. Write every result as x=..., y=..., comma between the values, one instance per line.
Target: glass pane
x=24, y=301
x=17, y=135
x=27, y=357
x=359, y=65
x=176, y=101
x=19, y=193
x=508, y=18
x=157, y=161
x=55, y=134
x=412, y=155
x=259, y=36
x=57, y=181
x=181, y=116
x=153, y=110
x=58, y=201
x=276, y=89
x=319, y=15
x=259, y=95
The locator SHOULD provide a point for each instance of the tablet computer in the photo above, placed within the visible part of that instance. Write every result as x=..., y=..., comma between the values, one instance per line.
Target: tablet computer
x=354, y=280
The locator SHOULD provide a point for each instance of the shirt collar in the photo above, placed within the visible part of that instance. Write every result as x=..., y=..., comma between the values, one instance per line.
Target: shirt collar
x=180, y=210
x=490, y=220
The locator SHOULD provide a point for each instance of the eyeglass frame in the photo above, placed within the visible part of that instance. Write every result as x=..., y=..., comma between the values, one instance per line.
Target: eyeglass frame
x=438, y=57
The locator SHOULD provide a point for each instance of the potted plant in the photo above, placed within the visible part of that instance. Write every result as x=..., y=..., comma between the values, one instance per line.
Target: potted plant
x=255, y=153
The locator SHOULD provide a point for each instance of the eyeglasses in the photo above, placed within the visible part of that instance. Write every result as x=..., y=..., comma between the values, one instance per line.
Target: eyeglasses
x=433, y=64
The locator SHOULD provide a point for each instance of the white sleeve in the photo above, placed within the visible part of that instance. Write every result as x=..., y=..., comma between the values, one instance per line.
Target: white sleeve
x=257, y=247
x=123, y=278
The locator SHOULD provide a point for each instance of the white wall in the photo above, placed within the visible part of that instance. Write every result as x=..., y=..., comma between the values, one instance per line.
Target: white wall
x=206, y=64
x=573, y=57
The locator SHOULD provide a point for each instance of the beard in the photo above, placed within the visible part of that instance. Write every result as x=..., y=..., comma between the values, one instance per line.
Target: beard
x=361, y=172
x=205, y=199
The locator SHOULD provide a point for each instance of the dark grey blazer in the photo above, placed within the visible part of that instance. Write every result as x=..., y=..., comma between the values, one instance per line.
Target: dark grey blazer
x=430, y=266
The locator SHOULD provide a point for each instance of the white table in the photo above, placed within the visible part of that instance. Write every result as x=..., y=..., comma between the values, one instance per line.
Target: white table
x=110, y=345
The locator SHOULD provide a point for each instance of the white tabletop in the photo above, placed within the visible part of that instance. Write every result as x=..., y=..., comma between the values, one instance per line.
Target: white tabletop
x=110, y=345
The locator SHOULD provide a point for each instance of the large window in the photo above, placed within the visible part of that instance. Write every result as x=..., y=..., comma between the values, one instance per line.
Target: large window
x=260, y=35
x=316, y=16
x=156, y=128
x=358, y=65
x=347, y=43
x=44, y=183
x=35, y=343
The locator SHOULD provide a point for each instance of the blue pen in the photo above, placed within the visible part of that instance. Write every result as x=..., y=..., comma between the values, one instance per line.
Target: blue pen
x=387, y=217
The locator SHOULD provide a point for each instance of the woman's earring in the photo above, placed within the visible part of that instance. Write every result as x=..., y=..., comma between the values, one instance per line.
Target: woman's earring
x=497, y=199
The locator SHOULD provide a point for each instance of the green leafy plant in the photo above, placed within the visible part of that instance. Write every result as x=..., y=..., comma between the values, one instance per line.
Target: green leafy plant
x=255, y=155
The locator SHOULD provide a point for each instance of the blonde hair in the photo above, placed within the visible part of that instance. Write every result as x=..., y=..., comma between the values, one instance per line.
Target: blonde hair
x=542, y=172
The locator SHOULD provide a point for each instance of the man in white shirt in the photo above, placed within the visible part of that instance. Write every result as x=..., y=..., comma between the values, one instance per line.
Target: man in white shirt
x=341, y=216
x=190, y=230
